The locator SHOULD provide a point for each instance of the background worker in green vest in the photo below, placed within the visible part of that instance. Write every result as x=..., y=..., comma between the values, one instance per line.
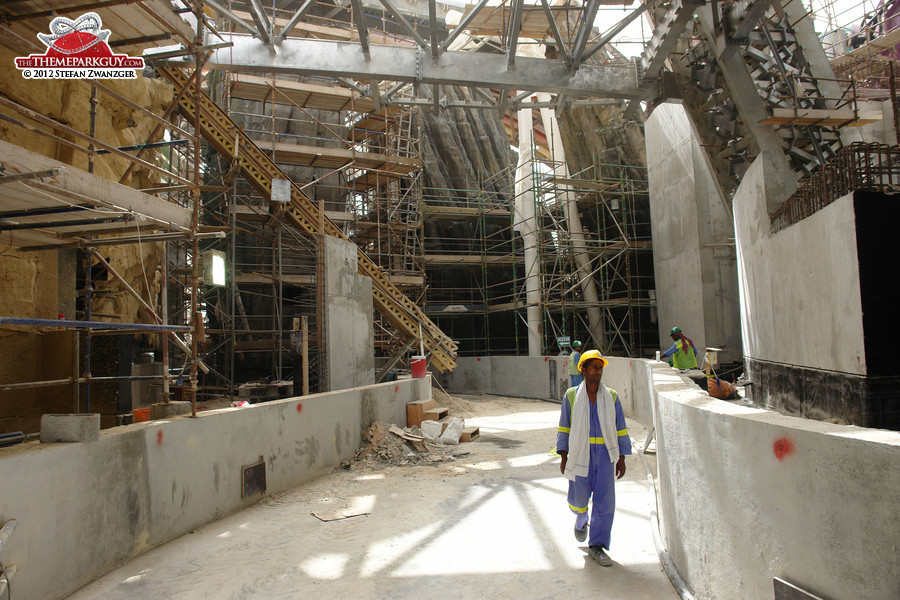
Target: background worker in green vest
x=683, y=353
x=575, y=375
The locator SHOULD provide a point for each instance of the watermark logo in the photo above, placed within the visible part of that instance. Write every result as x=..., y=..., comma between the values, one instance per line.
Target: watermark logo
x=78, y=50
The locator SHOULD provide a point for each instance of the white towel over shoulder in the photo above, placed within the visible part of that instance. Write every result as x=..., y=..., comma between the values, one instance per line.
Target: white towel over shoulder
x=580, y=432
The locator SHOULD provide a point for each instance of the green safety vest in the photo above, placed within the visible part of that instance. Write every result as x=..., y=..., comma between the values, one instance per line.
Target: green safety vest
x=684, y=357
x=573, y=363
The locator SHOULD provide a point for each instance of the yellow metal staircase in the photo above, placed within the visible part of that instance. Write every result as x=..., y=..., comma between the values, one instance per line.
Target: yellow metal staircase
x=230, y=141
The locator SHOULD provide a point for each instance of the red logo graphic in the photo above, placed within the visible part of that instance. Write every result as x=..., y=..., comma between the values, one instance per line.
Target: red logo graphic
x=77, y=50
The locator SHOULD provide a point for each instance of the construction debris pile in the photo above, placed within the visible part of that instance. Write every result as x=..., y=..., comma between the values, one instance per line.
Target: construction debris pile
x=384, y=443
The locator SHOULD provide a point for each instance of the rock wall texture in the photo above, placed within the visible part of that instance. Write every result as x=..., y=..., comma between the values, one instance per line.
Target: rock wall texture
x=42, y=284
x=464, y=149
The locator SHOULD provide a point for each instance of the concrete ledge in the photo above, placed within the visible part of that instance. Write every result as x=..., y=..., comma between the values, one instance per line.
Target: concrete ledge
x=746, y=494
x=70, y=428
x=164, y=410
x=142, y=485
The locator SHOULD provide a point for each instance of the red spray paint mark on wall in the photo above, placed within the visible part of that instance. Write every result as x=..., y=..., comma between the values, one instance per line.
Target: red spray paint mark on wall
x=783, y=447
x=396, y=388
x=478, y=359
x=299, y=406
x=546, y=358
x=159, y=436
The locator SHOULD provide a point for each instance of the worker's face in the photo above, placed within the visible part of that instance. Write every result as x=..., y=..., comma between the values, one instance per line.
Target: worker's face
x=592, y=370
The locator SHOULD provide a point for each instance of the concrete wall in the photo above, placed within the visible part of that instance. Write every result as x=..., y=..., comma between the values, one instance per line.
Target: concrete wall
x=747, y=494
x=799, y=288
x=81, y=509
x=349, y=330
x=518, y=376
x=693, y=246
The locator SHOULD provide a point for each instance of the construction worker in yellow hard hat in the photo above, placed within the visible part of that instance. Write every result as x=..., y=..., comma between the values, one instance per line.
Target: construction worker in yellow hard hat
x=592, y=441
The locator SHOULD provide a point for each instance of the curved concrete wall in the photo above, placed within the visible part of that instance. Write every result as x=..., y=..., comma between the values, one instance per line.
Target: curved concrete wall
x=81, y=509
x=519, y=376
x=747, y=494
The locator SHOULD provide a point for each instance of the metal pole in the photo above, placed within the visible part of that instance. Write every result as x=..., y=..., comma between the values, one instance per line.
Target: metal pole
x=89, y=288
x=894, y=105
x=164, y=309
x=304, y=320
x=144, y=304
x=76, y=369
x=195, y=217
x=232, y=216
x=279, y=306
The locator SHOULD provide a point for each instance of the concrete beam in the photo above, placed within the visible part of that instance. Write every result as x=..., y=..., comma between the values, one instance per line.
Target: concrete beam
x=395, y=63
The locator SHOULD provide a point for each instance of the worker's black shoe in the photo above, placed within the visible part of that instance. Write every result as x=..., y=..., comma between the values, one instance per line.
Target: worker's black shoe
x=581, y=534
x=600, y=556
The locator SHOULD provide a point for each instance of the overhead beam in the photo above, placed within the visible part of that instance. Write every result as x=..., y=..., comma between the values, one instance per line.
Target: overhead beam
x=515, y=25
x=463, y=25
x=614, y=30
x=584, y=33
x=406, y=24
x=232, y=17
x=560, y=44
x=263, y=24
x=359, y=18
x=289, y=26
x=396, y=63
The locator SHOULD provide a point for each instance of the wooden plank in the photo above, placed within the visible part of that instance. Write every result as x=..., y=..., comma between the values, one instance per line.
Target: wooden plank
x=304, y=29
x=437, y=413
x=471, y=259
x=260, y=279
x=75, y=186
x=432, y=210
x=822, y=117
x=317, y=156
x=321, y=97
x=872, y=49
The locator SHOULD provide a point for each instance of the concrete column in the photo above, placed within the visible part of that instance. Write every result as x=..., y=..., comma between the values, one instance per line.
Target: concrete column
x=526, y=223
x=576, y=233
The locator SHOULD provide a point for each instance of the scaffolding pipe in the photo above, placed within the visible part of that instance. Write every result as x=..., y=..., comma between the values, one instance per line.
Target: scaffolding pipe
x=178, y=341
x=164, y=309
x=89, y=287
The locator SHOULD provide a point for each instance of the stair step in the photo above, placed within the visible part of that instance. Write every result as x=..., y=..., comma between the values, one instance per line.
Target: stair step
x=437, y=413
x=415, y=411
x=469, y=434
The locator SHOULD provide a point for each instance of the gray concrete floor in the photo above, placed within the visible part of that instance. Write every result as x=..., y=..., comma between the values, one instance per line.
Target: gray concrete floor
x=490, y=522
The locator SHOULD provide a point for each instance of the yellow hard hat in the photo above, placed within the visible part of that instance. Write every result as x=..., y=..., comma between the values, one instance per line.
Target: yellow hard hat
x=592, y=355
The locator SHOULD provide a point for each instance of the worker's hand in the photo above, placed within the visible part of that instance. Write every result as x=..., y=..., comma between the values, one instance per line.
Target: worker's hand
x=620, y=467
x=562, y=464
